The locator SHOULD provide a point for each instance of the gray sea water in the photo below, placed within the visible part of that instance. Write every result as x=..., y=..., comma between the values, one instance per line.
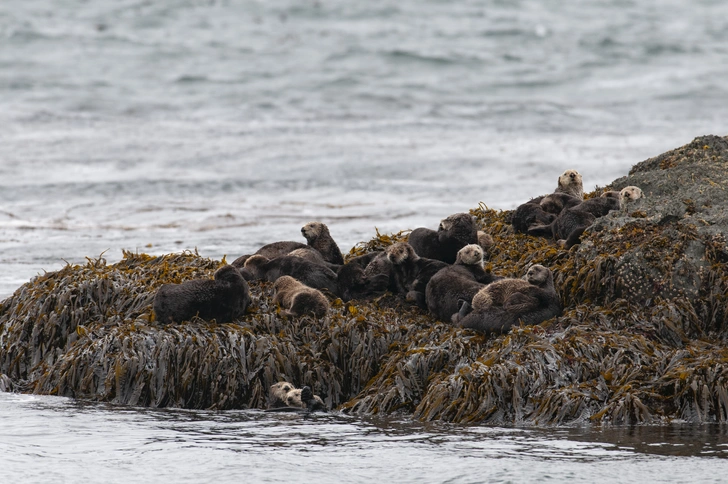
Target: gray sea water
x=224, y=125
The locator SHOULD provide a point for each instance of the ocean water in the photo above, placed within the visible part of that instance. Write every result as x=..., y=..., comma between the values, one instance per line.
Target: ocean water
x=224, y=125
x=52, y=439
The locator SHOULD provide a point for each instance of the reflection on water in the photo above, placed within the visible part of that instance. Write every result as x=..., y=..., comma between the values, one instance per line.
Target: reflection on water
x=43, y=438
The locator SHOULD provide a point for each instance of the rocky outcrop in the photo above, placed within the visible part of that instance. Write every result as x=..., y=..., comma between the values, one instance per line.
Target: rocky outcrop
x=642, y=338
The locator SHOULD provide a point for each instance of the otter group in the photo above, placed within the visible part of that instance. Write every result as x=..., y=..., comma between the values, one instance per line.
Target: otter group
x=441, y=271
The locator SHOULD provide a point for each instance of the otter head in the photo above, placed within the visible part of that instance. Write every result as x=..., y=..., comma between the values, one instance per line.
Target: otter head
x=629, y=194
x=313, y=230
x=254, y=265
x=539, y=275
x=570, y=182
x=282, y=386
x=485, y=240
x=228, y=273
x=400, y=252
x=278, y=393
x=470, y=255
x=284, y=282
x=458, y=227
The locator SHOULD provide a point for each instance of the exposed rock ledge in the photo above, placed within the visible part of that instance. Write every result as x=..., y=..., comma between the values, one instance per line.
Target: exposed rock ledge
x=642, y=338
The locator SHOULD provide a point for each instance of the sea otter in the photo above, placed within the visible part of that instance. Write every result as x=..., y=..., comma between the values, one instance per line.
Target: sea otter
x=543, y=210
x=412, y=272
x=284, y=396
x=454, y=233
x=530, y=305
x=309, y=273
x=298, y=299
x=500, y=292
x=459, y=282
x=318, y=236
x=224, y=298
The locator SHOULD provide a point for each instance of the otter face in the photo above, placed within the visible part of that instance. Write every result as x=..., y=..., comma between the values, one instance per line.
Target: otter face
x=537, y=275
x=630, y=194
x=570, y=178
x=471, y=255
x=400, y=252
x=312, y=230
x=280, y=387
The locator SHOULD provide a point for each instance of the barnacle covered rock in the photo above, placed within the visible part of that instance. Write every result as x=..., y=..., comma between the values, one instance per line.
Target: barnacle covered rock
x=643, y=336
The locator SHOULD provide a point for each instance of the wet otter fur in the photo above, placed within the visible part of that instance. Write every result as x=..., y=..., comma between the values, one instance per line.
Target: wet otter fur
x=532, y=304
x=318, y=236
x=309, y=273
x=313, y=255
x=270, y=251
x=459, y=282
x=365, y=276
x=224, y=298
x=529, y=215
x=283, y=396
x=571, y=223
x=412, y=272
x=557, y=202
x=454, y=233
x=298, y=299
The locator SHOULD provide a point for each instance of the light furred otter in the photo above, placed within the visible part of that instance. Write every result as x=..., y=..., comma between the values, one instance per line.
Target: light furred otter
x=629, y=194
x=571, y=184
x=318, y=236
x=499, y=293
x=454, y=233
x=224, y=298
x=412, y=272
x=530, y=305
x=298, y=299
x=456, y=283
x=309, y=273
x=284, y=396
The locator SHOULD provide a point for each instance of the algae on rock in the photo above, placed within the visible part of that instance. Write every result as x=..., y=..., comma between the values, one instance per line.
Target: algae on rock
x=642, y=338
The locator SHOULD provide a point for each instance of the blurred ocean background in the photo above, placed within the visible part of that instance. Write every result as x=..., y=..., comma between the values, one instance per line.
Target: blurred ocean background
x=224, y=125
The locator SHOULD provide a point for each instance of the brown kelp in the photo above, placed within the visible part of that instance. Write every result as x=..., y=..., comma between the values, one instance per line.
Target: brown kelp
x=642, y=338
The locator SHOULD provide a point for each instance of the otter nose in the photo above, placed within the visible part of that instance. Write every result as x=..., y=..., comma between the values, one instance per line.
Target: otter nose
x=572, y=175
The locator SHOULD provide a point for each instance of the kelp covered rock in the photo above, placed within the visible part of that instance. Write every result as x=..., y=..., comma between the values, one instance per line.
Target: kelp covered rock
x=642, y=338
